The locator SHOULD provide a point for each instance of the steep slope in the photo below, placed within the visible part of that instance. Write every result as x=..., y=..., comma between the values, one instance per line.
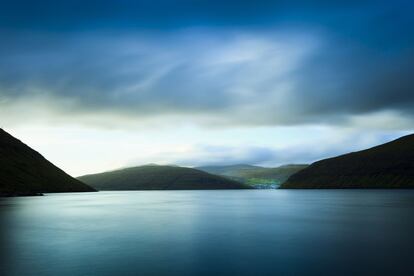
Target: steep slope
x=153, y=177
x=390, y=165
x=23, y=171
x=258, y=177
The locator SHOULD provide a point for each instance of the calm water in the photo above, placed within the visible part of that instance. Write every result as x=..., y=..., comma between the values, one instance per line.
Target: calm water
x=261, y=232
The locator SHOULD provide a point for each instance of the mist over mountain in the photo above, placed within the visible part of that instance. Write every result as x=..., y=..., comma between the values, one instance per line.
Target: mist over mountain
x=229, y=170
x=256, y=176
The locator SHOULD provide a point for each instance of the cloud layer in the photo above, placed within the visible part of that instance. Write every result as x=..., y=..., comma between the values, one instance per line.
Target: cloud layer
x=285, y=64
x=279, y=77
x=197, y=72
x=222, y=64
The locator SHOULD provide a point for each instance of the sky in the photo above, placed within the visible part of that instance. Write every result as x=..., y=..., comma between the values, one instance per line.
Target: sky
x=100, y=85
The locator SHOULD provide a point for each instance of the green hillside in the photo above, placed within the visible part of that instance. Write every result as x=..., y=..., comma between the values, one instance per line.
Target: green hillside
x=258, y=177
x=390, y=165
x=229, y=170
x=154, y=177
x=23, y=171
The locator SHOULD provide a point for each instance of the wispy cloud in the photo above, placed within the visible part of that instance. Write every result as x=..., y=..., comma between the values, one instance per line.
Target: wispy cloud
x=217, y=75
x=220, y=66
x=201, y=76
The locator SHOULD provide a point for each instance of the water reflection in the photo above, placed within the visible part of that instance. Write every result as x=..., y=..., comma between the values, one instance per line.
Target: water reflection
x=351, y=232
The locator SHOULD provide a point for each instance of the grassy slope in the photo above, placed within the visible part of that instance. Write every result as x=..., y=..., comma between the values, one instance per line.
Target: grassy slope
x=230, y=170
x=24, y=171
x=153, y=177
x=254, y=175
x=390, y=165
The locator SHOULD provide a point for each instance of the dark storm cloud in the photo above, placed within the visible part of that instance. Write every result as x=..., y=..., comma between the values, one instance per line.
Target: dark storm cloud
x=242, y=62
x=356, y=81
x=160, y=14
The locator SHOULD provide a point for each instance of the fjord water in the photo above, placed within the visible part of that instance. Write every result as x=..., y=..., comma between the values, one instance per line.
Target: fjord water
x=233, y=232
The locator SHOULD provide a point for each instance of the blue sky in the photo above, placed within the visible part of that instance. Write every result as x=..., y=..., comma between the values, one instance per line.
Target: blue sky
x=96, y=85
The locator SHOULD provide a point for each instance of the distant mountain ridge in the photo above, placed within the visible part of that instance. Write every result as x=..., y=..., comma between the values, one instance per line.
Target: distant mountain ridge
x=24, y=171
x=158, y=177
x=255, y=176
x=390, y=165
x=228, y=170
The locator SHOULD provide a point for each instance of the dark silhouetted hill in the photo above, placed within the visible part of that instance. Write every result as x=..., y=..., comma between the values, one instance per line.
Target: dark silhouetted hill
x=23, y=171
x=154, y=177
x=390, y=165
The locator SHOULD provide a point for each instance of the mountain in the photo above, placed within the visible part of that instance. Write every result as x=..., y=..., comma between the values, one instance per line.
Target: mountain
x=390, y=165
x=228, y=170
x=258, y=177
x=23, y=171
x=154, y=177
